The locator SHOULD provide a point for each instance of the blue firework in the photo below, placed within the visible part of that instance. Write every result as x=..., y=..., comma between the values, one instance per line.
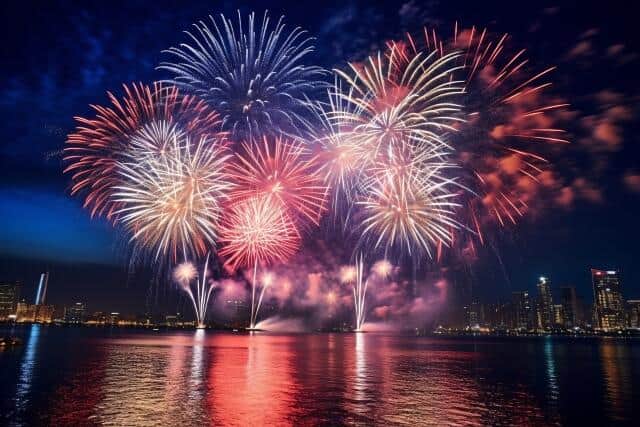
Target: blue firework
x=253, y=74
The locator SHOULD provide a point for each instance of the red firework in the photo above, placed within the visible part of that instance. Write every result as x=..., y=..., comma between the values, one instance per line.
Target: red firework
x=257, y=230
x=281, y=169
x=99, y=143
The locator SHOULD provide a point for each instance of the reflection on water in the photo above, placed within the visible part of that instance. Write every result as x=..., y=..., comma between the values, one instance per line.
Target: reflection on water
x=205, y=378
x=26, y=369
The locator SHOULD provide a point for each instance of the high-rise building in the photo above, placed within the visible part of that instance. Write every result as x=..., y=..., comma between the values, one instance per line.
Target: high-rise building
x=74, y=314
x=545, y=304
x=521, y=303
x=474, y=315
x=114, y=318
x=558, y=316
x=607, y=300
x=570, y=306
x=44, y=313
x=9, y=295
x=633, y=313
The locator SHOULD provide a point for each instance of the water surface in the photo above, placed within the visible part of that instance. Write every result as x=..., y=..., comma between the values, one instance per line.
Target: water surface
x=91, y=376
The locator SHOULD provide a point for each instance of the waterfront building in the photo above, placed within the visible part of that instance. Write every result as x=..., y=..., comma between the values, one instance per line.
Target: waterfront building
x=607, y=298
x=558, y=316
x=545, y=304
x=522, y=317
x=9, y=296
x=75, y=314
x=633, y=313
x=570, y=306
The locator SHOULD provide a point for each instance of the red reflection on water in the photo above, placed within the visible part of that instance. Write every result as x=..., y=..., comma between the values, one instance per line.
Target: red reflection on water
x=250, y=381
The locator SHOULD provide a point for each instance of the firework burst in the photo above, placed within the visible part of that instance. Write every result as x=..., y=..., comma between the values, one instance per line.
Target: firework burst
x=410, y=212
x=252, y=73
x=171, y=202
x=257, y=230
x=283, y=170
x=144, y=113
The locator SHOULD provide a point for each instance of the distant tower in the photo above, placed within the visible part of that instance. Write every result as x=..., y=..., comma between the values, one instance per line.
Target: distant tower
x=545, y=304
x=42, y=288
x=607, y=299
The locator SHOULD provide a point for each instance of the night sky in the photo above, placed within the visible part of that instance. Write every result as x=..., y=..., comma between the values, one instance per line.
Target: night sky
x=59, y=58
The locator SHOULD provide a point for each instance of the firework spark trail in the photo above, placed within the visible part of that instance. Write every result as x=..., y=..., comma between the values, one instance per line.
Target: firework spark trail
x=508, y=115
x=284, y=170
x=355, y=275
x=99, y=143
x=171, y=201
x=184, y=274
x=256, y=231
x=360, y=293
x=252, y=73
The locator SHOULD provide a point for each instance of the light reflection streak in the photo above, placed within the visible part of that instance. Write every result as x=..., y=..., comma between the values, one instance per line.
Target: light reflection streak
x=27, y=368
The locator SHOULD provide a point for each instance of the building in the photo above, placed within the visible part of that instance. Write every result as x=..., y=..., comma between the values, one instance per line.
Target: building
x=114, y=318
x=633, y=313
x=75, y=314
x=522, y=317
x=545, y=304
x=607, y=300
x=9, y=296
x=44, y=313
x=570, y=307
x=25, y=312
x=558, y=316
x=34, y=313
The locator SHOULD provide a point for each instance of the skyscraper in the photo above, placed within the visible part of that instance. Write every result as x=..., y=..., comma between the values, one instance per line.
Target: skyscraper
x=545, y=304
x=9, y=295
x=633, y=313
x=521, y=304
x=607, y=300
x=569, y=301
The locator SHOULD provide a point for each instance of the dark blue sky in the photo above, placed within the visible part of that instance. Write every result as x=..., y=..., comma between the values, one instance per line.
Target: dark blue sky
x=58, y=58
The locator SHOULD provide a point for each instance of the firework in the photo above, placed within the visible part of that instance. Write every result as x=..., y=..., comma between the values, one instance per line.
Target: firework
x=409, y=212
x=170, y=203
x=256, y=231
x=389, y=117
x=341, y=157
x=509, y=121
x=147, y=113
x=382, y=268
x=392, y=107
x=283, y=170
x=184, y=274
x=252, y=73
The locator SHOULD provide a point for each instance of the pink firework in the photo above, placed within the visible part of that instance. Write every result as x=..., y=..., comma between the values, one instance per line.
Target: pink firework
x=257, y=230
